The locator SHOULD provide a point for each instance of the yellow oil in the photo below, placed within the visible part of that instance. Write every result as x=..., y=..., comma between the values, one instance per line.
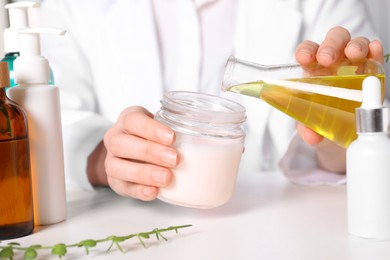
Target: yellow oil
x=331, y=117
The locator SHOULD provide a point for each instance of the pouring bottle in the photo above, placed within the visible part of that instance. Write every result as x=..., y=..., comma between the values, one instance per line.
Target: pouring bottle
x=323, y=99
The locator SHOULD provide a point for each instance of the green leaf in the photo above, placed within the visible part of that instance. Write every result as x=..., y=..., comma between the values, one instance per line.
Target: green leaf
x=141, y=241
x=87, y=244
x=35, y=246
x=7, y=252
x=115, y=241
x=387, y=56
x=30, y=254
x=13, y=244
x=158, y=234
x=144, y=235
x=59, y=250
x=118, y=239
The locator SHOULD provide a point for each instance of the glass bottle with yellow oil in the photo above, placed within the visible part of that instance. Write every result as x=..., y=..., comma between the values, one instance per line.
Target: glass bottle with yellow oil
x=323, y=99
x=16, y=203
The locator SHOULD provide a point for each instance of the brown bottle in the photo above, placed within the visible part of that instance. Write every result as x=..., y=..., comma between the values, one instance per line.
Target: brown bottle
x=16, y=204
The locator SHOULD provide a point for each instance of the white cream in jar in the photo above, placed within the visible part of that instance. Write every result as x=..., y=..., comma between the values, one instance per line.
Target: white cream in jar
x=210, y=142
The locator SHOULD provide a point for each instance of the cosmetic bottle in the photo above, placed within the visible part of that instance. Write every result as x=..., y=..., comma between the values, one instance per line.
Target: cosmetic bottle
x=16, y=203
x=41, y=102
x=209, y=141
x=368, y=167
x=323, y=99
x=19, y=18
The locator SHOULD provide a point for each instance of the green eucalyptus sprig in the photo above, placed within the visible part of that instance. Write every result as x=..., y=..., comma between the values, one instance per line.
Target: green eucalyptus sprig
x=387, y=56
x=31, y=252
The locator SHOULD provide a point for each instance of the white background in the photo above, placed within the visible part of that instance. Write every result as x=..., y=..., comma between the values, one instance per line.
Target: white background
x=379, y=12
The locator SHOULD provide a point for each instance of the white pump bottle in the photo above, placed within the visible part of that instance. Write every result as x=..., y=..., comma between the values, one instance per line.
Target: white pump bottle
x=368, y=168
x=41, y=102
x=19, y=18
x=22, y=15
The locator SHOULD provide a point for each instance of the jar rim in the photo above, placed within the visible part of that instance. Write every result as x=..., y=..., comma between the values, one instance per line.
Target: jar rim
x=201, y=105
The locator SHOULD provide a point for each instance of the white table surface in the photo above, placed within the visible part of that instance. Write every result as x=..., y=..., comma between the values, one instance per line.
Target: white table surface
x=267, y=218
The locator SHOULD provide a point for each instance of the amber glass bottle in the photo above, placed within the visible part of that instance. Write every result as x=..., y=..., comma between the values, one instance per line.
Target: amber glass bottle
x=16, y=204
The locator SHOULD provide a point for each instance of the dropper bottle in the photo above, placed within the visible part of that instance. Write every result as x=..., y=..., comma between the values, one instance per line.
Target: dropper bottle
x=41, y=102
x=368, y=167
x=16, y=202
x=323, y=99
x=20, y=13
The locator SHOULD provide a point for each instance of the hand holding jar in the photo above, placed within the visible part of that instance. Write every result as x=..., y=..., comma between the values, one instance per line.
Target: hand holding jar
x=139, y=155
x=206, y=131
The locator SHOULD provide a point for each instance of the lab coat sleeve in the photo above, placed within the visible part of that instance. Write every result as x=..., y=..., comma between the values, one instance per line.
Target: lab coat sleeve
x=83, y=128
x=299, y=163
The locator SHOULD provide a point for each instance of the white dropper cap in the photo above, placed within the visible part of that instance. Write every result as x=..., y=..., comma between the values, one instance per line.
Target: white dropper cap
x=18, y=19
x=372, y=116
x=30, y=67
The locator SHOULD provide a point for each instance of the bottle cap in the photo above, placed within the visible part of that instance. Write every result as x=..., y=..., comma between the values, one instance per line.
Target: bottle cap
x=372, y=116
x=4, y=75
x=18, y=19
x=30, y=67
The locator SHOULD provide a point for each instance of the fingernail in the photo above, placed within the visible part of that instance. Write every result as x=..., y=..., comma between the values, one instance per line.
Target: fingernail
x=306, y=52
x=327, y=52
x=169, y=157
x=165, y=135
x=355, y=45
x=159, y=177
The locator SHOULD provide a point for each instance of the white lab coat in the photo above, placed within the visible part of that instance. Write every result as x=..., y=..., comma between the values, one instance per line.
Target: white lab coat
x=109, y=61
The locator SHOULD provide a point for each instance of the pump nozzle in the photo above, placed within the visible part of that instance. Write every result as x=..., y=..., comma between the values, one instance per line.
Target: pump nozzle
x=29, y=39
x=18, y=19
x=30, y=66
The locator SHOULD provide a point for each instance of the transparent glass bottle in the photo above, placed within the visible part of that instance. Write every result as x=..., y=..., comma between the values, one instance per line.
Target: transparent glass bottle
x=324, y=99
x=210, y=142
x=16, y=203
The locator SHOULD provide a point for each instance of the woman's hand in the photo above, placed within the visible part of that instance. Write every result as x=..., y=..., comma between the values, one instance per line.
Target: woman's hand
x=139, y=154
x=337, y=46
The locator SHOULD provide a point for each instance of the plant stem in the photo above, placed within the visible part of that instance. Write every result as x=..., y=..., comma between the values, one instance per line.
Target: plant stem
x=60, y=250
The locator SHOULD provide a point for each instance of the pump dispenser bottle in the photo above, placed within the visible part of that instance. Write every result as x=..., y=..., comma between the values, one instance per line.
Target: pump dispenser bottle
x=42, y=104
x=323, y=99
x=368, y=168
x=16, y=202
x=19, y=18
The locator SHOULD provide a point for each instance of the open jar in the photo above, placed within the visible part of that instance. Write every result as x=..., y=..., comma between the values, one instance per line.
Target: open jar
x=209, y=141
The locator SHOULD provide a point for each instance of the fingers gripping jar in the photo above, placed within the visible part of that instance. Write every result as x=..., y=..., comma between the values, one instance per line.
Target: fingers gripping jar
x=210, y=142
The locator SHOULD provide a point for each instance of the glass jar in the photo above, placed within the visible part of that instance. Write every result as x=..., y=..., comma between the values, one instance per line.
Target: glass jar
x=210, y=142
